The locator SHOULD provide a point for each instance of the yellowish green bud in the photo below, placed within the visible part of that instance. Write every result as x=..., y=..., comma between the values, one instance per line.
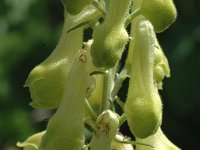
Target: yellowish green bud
x=105, y=130
x=143, y=107
x=159, y=141
x=33, y=142
x=110, y=37
x=161, y=13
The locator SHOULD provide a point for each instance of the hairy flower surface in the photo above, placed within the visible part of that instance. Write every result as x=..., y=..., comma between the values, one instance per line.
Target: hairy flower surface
x=143, y=107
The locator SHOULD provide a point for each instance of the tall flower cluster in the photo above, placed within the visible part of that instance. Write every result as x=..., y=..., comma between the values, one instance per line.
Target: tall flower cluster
x=81, y=79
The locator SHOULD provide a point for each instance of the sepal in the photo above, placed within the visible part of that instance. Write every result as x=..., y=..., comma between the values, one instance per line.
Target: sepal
x=32, y=142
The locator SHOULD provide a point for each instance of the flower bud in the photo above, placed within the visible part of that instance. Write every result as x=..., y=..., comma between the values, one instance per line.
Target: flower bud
x=143, y=107
x=105, y=131
x=158, y=141
x=33, y=142
x=110, y=37
x=161, y=13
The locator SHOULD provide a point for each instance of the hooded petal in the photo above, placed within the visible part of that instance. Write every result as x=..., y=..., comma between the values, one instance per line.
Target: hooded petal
x=47, y=80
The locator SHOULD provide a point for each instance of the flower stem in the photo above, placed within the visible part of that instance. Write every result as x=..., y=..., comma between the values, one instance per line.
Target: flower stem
x=134, y=143
x=122, y=119
x=107, y=88
x=121, y=77
x=132, y=16
x=90, y=110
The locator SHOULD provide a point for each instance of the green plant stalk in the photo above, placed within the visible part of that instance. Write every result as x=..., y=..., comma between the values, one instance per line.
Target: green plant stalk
x=107, y=88
x=122, y=119
x=118, y=83
x=89, y=109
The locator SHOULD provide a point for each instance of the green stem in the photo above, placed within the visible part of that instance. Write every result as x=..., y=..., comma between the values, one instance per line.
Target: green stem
x=122, y=76
x=122, y=119
x=107, y=87
x=119, y=102
x=133, y=143
x=132, y=16
x=89, y=109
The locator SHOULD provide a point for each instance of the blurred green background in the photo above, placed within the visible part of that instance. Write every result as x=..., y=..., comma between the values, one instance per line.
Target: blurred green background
x=29, y=30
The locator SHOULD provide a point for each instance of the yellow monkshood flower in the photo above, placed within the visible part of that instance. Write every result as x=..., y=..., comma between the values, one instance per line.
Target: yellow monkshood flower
x=65, y=128
x=47, y=80
x=143, y=107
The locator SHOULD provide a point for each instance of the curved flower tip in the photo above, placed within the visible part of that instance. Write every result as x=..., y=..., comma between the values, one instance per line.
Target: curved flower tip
x=120, y=146
x=46, y=84
x=32, y=142
x=159, y=141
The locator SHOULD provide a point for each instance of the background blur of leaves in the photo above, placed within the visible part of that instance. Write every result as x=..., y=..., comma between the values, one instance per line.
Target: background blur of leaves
x=29, y=30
